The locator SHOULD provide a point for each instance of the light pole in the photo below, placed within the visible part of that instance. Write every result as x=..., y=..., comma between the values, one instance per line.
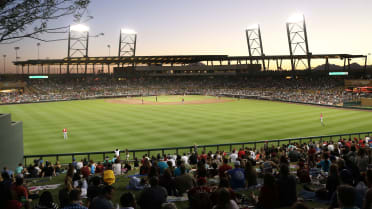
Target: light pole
x=4, y=56
x=109, y=46
x=16, y=50
x=38, y=56
x=38, y=50
x=369, y=55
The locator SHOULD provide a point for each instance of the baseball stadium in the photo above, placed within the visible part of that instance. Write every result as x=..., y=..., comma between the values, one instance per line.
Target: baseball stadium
x=186, y=131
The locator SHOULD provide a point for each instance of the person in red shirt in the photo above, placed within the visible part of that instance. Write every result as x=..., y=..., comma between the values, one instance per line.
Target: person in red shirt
x=99, y=168
x=224, y=167
x=20, y=189
x=65, y=133
x=85, y=170
x=241, y=153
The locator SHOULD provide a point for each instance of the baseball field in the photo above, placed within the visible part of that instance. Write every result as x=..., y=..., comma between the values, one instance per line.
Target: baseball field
x=106, y=124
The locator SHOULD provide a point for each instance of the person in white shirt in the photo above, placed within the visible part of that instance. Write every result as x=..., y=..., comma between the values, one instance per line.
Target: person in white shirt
x=79, y=165
x=116, y=167
x=331, y=147
x=253, y=155
x=185, y=158
x=233, y=156
x=117, y=152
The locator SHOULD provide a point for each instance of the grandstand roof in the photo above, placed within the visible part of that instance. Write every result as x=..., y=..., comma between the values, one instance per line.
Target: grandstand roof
x=174, y=59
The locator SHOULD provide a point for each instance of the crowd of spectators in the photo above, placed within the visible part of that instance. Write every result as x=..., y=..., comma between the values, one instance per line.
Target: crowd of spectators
x=338, y=173
x=308, y=90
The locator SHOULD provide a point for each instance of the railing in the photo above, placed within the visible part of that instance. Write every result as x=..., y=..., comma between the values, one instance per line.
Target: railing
x=177, y=150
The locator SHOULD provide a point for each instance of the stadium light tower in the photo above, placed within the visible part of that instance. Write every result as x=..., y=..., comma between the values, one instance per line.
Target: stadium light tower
x=297, y=40
x=16, y=50
x=4, y=56
x=109, y=47
x=127, y=42
x=254, y=42
x=78, y=39
x=38, y=55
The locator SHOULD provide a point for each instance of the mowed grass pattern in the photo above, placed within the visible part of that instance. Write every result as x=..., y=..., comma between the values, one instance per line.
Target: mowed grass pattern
x=177, y=98
x=95, y=125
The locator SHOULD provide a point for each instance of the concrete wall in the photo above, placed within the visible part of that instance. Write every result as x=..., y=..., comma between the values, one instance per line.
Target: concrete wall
x=11, y=142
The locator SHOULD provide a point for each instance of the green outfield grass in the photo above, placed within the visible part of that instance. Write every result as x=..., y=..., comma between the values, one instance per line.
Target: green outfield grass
x=95, y=125
x=174, y=98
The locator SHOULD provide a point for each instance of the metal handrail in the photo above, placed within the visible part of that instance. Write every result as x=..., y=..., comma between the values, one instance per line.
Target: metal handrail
x=176, y=149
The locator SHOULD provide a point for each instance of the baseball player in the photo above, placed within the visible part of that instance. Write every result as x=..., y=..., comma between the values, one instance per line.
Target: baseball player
x=65, y=133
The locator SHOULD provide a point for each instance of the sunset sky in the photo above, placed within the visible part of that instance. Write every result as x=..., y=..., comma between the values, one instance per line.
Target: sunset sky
x=175, y=27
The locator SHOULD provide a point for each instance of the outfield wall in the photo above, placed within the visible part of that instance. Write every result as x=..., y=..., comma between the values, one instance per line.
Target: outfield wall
x=366, y=101
x=11, y=142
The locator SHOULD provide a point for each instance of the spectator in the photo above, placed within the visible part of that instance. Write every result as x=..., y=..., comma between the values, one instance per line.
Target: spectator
x=368, y=198
x=154, y=197
x=117, y=167
x=233, y=156
x=128, y=201
x=93, y=190
x=103, y=201
x=75, y=201
x=19, y=169
x=46, y=201
x=325, y=163
x=224, y=183
x=362, y=160
x=168, y=182
x=287, y=187
x=250, y=174
x=224, y=201
x=145, y=168
x=346, y=196
x=20, y=190
x=99, y=168
x=184, y=182
x=223, y=168
x=268, y=197
x=237, y=177
x=85, y=170
x=333, y=181
x=199, y=196
x=108, y=175
x=80, y=164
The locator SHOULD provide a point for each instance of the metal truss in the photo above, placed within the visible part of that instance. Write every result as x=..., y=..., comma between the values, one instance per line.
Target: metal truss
x=127, y=43
x=298, y=43
x=254, y=43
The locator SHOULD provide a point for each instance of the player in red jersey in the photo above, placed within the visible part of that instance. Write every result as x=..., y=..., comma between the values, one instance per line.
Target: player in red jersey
x=65, y=133
x=321, y=119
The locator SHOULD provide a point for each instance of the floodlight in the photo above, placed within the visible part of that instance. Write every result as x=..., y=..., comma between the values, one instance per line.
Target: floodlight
x=79, y=28
x=254, y=26
x=128, y=31
x=298, y=17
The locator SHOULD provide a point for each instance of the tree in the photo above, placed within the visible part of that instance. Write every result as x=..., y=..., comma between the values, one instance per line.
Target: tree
x=29, y=18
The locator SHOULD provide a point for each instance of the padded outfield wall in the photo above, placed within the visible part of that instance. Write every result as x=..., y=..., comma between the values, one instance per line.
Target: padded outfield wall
x=11, y=142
